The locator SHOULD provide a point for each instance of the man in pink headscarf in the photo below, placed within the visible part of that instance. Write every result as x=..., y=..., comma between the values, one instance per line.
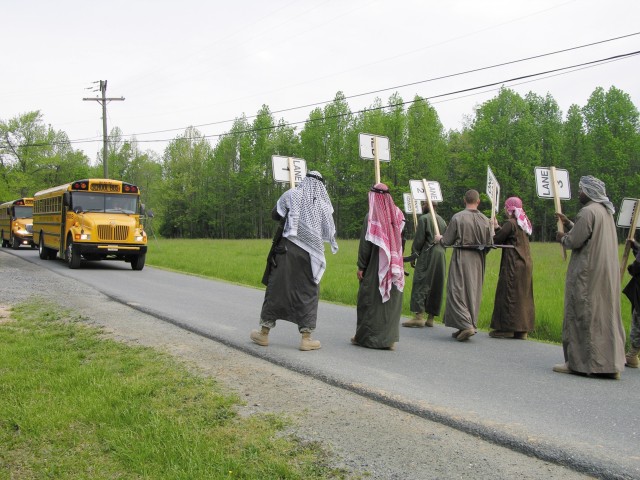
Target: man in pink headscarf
x=513, y=309
x=380, y=272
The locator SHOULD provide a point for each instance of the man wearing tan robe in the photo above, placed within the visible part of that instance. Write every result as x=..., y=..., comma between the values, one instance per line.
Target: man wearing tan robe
x=592, y=332
x=470, y=233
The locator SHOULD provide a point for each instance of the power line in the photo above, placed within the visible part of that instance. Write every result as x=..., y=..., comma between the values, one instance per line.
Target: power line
x=557, y=71
x=501, y=82
x=465, y=72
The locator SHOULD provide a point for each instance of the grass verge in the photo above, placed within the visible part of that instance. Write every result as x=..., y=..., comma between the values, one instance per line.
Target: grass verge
x=76, y=405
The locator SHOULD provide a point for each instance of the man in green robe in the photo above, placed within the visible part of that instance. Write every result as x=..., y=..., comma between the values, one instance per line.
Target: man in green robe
x=592, y=332
x=430, y=268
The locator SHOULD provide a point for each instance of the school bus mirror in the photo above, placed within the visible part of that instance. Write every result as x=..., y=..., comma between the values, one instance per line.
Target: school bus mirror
x=66, y=199
x=142, y=209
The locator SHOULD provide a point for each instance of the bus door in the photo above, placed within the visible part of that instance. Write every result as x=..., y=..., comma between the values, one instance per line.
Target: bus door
x=66, y=206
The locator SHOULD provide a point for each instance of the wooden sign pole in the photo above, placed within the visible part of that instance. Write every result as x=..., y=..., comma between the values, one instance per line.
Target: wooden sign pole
x=556, y=201
x=376, y=159
x=493, y=208
x=627, y=247
x=292, y=174
x=433, y=214
x=415, y=214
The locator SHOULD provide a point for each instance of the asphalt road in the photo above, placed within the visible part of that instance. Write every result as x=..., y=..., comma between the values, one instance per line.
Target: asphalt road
x=501, y=390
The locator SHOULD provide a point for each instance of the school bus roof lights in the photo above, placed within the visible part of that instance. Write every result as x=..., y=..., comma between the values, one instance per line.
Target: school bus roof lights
x=128, y=188
x=80, y=185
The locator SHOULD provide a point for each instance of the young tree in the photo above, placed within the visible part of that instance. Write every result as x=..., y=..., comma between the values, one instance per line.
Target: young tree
x=613, y=142
x=34, y=156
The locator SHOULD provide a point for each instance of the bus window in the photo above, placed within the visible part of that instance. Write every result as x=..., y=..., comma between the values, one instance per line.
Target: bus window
x=23, y=212
x=88, y=202
x=121, y=203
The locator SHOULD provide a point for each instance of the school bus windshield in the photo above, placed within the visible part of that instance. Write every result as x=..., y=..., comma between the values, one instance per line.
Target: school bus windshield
x=109, y=203
x=23, y=212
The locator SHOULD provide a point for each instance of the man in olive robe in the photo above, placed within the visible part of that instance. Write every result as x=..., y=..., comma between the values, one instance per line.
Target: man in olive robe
x=592, y=332
x=430, y=268
x=380, y=272
x=470, y=234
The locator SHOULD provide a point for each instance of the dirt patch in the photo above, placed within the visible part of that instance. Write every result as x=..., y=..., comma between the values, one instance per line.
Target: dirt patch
x=5, y=314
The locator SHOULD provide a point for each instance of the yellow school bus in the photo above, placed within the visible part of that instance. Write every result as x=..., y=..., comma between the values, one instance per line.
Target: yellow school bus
x=92, y=219
x=16, y=223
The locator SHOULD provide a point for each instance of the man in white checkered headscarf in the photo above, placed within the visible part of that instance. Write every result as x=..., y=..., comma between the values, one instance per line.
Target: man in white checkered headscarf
x=298, y=263
x=592, y=333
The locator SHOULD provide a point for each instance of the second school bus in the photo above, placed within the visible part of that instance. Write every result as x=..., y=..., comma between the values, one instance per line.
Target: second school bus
x=92, y=219
x=16, y=223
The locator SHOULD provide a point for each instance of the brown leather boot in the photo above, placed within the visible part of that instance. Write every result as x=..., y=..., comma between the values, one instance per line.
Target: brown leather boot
x=307, y=343
x=429, y=322
x=260, y=337
x=631, y=359
x=417, y=321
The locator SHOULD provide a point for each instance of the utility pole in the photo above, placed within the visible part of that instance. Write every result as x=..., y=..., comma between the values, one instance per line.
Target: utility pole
x=103, y=101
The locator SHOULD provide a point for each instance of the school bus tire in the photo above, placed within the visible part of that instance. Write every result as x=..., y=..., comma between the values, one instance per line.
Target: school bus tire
x=5, y=244
x=137, y=262
x=15, y=242
x=43, y=252
x=72, y=255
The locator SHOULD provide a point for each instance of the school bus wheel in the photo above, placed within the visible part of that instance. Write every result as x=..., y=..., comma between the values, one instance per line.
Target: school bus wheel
x=71, y=254
x=137, y=262
x=15, y=242
x=45, y=253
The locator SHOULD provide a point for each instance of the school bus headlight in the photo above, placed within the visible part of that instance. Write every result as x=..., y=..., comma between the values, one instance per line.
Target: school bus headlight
x=139, y=238
x=82, y=236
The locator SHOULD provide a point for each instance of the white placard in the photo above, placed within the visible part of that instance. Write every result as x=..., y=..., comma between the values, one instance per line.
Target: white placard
x=417, y=189
x=407, y=204
x=281, y=169
x=543, y=183
x=625, y=214
x=493, y=189
x=367, y=149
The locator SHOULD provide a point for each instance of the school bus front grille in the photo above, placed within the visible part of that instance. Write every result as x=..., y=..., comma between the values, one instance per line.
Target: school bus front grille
x=113, y=232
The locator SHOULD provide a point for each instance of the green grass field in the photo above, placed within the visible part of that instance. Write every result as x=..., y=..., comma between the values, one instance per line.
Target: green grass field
x=75, y=405
x=243, y=261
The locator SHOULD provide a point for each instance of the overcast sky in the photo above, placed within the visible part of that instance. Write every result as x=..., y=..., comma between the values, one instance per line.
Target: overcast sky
x=200, y=63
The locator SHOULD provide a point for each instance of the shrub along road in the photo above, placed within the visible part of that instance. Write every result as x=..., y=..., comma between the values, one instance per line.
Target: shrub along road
x=501, y=391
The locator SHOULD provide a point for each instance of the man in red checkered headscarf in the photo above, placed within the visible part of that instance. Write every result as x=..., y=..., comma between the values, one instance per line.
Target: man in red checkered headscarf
x=380, y=272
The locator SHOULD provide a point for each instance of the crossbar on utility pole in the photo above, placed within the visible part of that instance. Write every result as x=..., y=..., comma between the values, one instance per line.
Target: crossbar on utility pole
x=103, y=101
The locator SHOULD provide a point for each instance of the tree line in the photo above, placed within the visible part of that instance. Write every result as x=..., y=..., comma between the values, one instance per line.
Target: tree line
x=197, y=189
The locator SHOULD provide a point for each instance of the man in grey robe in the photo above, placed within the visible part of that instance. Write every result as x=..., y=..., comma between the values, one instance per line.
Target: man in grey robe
x=470, y=233
x=592, y=332
x=430, y=270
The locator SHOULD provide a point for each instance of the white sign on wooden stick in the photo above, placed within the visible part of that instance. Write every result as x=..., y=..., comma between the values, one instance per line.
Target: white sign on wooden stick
x=281, y=169
x=417, y=189
x=367, y=147
x=625, y=214
x=493, y=189
x=407, y=204
x=543, y=183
